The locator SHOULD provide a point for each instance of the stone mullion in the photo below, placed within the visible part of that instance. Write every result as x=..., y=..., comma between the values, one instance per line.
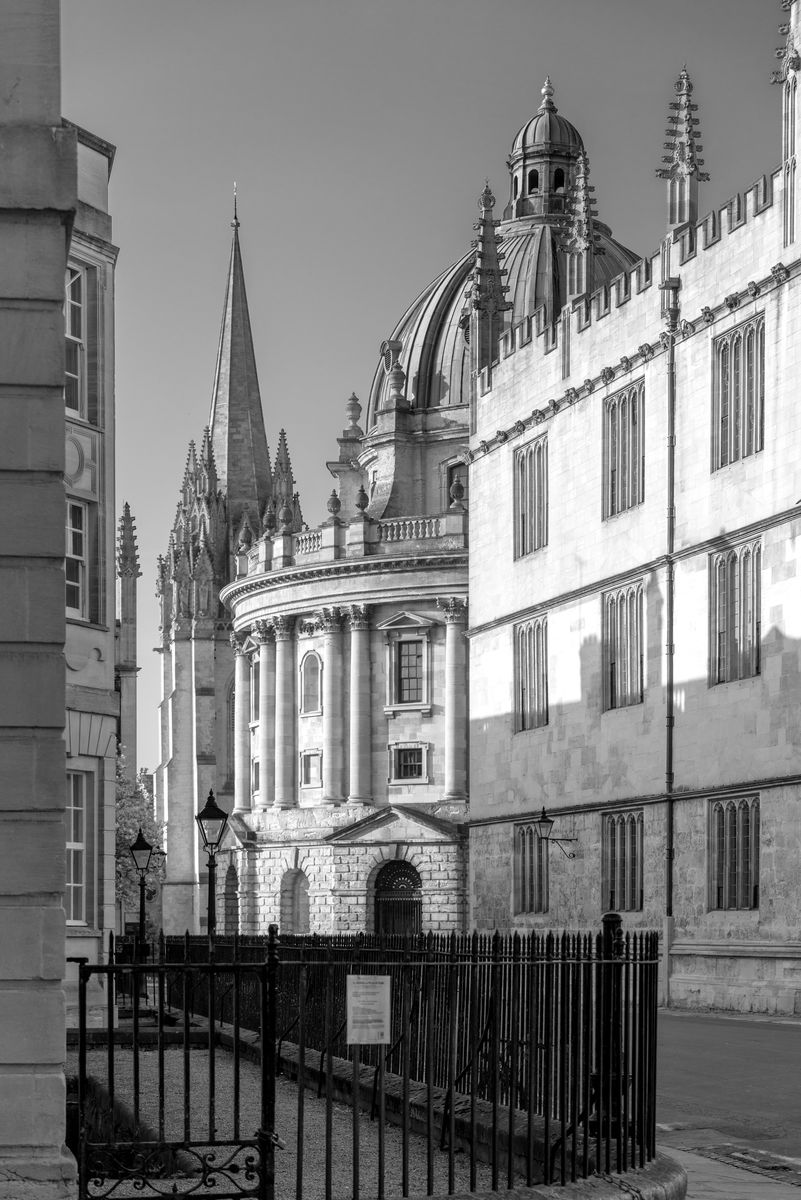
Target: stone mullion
x=360, y=790
x=265, y=636
x=333, y=726
x=455, y=789
x=242, y=796
x=285, y=732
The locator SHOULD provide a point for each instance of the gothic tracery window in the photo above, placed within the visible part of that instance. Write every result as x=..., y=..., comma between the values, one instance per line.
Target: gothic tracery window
x=734, y=854
x=739, y=393
x=736, y=613
x=531, y=497
x=624, y=450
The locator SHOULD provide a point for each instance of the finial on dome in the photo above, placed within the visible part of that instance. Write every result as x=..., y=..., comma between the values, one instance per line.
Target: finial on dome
x=547, y=94
x=235, y=222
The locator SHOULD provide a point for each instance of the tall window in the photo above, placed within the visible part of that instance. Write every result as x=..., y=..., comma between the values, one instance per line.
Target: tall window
x=623, y=647
x=734, y=853
x=623, y=861
x=530, y=870
x=255, y=681
x=408, y=670
x=75, y=563
x=736, y=613
x=624, y=450
x=75, y=905
x=75, y=347
x=531, y=497
x=531, y=674
x=739, y=393
x=310, y=683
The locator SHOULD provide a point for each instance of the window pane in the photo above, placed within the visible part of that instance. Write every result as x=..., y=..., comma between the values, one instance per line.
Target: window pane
x=410, y=672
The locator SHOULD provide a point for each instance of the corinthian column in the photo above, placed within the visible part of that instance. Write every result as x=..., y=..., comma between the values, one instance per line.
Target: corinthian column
x=360, y=790
x=455, y=611
x=333, y=725
x=285, y=786
x=241, y=724
x=265, y=636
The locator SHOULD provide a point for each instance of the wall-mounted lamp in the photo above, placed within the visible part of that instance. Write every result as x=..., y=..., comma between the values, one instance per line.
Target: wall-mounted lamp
x=543, y=825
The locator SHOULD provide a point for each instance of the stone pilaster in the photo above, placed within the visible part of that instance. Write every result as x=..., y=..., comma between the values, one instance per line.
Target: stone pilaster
x=180, y=889
x=360, y=758
x=265, y=636
x=333, y=725
x=455, y=611
x=242, y=801
x=285, y=717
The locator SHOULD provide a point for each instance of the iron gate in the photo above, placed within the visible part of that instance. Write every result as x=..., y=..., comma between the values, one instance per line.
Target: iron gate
x=152, y=1045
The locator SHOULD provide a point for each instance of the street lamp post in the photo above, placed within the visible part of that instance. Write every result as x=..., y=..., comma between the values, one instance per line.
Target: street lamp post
x=212, y=822
x=141, y=850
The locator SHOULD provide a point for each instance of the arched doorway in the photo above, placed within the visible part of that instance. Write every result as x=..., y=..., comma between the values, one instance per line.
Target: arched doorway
x=398, y=899
x=294, y=902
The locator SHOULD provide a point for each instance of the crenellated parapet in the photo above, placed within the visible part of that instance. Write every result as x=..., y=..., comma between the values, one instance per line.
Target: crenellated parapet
x=689, y=249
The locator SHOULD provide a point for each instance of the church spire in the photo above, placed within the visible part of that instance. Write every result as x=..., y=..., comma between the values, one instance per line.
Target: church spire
x=238, y=438
x=682, y=172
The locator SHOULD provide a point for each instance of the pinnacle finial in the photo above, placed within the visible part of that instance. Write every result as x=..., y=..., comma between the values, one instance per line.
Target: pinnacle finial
x=235, y=222
x=486, y=201
x=547, y=95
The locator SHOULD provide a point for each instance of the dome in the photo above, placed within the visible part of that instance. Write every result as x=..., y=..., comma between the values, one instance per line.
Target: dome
x=434, y=353
x=547, y=131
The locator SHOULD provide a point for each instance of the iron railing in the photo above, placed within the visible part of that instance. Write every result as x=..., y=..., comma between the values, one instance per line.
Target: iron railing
x=535, y=1053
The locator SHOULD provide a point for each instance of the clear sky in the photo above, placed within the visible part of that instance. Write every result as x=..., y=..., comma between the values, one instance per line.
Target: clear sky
x=360, y=133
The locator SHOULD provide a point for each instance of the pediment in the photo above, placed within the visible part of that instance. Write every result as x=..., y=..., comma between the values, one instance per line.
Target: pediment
x=404, y=620
x=397, y=823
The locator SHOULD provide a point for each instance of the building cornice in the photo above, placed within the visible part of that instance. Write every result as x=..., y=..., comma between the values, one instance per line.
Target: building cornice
x=608, y=582
x=272, y=581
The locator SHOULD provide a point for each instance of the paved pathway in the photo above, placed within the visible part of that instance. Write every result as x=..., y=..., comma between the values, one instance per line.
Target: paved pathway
x=729, y=1104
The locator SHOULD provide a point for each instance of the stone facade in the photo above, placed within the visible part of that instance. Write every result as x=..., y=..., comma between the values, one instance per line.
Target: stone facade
x=38, y=199
x=706, y=746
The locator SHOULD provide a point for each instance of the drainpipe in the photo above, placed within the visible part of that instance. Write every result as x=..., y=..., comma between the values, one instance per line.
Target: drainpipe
x=670, y=311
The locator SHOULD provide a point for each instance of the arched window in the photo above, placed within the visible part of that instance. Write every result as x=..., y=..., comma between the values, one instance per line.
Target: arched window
x=739, y=393
x=623, y=836
x=736, y=613
x=531, y=497
x=515, y=187
x=310, y=671
x=294, y=902
x=624, y=647
x=734, y=854
x=531, y=674
x=558, y=180
x=398, y=899
x=530, y=880
x=533, y=181
x=624, y=450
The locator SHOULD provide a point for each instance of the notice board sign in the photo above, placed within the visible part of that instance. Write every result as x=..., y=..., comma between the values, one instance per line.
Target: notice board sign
x=368, y=1010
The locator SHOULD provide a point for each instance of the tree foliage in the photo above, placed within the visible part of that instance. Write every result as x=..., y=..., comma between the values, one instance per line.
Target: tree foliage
x=135, y=812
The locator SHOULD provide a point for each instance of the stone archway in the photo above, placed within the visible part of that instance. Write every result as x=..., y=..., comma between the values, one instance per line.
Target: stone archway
x=398, y=899
x=294, y=916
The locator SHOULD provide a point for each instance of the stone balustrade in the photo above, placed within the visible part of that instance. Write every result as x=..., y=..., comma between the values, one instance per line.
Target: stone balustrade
x=406, y=529
x=359, y=538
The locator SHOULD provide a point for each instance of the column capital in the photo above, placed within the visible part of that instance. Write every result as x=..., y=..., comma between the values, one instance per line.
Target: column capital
x=283, y=626
x=238, y=642
x=358, y=616
x=454, y=608
x=330, y=620
x=263, y=632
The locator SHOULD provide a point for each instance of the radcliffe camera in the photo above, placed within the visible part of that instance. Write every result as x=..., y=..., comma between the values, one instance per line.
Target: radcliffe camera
x=401, y=654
